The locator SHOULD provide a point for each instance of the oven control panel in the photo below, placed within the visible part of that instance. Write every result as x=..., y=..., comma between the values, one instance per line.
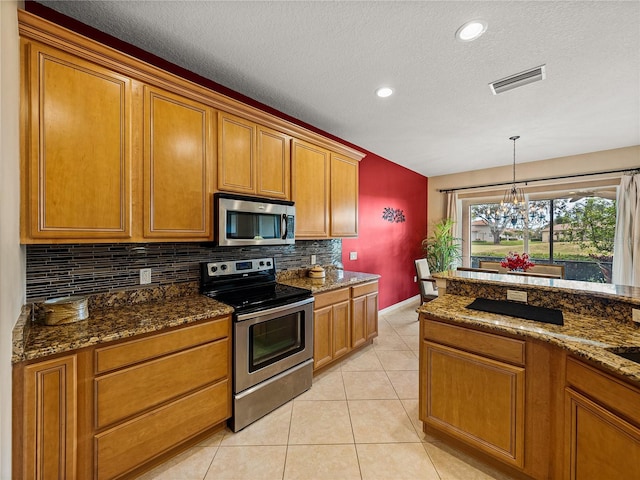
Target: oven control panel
x=240, y=267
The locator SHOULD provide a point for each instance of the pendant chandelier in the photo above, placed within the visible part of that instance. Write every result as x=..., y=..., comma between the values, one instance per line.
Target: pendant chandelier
x=513, y=205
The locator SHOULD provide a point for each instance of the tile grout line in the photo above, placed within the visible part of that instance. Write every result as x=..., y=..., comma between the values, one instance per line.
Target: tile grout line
x=353, y=435
x=286, y=451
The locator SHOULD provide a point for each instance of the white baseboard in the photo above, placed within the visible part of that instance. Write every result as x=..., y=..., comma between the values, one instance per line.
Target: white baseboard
x=403, y=303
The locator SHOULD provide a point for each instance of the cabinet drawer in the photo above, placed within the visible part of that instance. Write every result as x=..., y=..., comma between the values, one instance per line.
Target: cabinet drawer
x=487, y=344
x=329, y=298
x=131, y=444
x=605, y=389
x=133, y=390
x=124, y=354
x=359, y=290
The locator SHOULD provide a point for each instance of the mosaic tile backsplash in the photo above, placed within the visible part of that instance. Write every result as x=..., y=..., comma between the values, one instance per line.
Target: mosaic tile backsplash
x=82, y=269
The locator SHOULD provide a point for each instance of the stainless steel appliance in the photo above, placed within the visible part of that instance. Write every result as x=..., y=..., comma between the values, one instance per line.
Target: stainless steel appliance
x=272, y=335
x=241, y=221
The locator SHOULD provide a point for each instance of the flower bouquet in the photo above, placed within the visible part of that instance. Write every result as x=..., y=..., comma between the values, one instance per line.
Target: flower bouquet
x=516, y=262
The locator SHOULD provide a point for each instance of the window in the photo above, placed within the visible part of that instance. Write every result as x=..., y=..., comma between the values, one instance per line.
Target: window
x=574, y=229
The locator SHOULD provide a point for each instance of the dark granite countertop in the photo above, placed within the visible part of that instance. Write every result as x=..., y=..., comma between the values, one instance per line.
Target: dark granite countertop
x=588, y=337
x=602, y=290
x=125, y=314
x=111, y=319
x=333, y=280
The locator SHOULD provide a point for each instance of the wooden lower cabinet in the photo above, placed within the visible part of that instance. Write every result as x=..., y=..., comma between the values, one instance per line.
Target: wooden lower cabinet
x=527, y=407
x=123, y=448
x=602, y=426
x=364, y=313
x=125, y=393
x=113, y=410
x=47, y=412
x=477, y=400
x=344, y=320
x=332, y=327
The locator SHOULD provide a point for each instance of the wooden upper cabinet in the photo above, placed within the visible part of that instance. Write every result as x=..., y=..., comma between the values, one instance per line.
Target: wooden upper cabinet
x=344, y=196
x=77, y=148
x=236, y=154
x=310, y=189
x=252, y=159
x=116, y=150
x=273, y=164
x=178, y=159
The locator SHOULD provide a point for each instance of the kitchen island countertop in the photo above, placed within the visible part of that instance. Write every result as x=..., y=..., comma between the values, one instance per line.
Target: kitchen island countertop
x=588, y=337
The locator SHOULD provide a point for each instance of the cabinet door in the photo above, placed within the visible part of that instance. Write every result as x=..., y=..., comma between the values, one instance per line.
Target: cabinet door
x=364, y=313
x=273, y=164
x=477, y=400
x=236, y=154
x=177, y=166
x=49, y=444
x=344, y=196
x=322, y=336
x=78, y=157
x=371, y=315
x=310, y=189
x=341, y=329
x=358, y=321
x=598, y=443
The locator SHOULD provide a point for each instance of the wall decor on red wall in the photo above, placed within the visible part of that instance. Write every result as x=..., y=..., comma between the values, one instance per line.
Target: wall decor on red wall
x=393, y=215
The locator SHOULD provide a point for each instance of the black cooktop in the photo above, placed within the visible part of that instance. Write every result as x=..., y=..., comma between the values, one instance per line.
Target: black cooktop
x=247, y=285
x=262, y=297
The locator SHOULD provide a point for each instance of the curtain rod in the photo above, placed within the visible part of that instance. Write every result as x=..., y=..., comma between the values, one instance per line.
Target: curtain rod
x=526, y=182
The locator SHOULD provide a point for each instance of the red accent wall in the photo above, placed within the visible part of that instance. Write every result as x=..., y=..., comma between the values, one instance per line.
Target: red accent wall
x=383, y=247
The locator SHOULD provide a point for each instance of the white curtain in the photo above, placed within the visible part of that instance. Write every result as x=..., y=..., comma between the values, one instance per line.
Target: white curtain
x=454, y=212
x=626, y=248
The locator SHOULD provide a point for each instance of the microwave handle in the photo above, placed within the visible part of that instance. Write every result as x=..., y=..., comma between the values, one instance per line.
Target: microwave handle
x=285, y=226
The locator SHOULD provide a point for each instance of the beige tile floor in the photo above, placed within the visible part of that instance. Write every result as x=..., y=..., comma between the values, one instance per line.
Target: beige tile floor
x=358, y=421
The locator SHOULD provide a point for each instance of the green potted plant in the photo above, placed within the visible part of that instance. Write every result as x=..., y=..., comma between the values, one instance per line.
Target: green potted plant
x=442, y=249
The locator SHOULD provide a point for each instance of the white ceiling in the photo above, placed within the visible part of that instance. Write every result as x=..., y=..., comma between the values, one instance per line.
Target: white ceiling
x=320, y=61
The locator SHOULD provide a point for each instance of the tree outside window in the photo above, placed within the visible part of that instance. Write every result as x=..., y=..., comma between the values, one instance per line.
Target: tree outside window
x=579, y=235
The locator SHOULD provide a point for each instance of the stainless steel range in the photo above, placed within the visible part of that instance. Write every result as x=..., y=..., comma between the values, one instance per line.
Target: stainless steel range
x=272, y=335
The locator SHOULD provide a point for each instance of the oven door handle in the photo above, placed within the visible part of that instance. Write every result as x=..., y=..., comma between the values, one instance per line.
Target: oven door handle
x=274, y=310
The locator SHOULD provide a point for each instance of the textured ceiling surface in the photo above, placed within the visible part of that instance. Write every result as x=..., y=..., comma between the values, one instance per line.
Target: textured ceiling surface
x=321, y=61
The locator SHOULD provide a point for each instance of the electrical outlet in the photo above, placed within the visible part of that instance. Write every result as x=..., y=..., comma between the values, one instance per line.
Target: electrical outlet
x=415, y=279
x=636, y=315
x=517, y=296
x=145, y=276
x=313, y=259
x=353, y=255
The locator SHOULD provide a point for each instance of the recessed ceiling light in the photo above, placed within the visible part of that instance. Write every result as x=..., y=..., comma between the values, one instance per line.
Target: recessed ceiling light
x=384, y=92
x=471, y=30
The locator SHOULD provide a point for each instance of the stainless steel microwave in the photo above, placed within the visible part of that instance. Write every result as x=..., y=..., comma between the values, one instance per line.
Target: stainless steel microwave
x=240, y=221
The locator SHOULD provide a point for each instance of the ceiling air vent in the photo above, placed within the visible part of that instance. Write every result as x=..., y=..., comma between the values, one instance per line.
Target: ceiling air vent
x=518, y=80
